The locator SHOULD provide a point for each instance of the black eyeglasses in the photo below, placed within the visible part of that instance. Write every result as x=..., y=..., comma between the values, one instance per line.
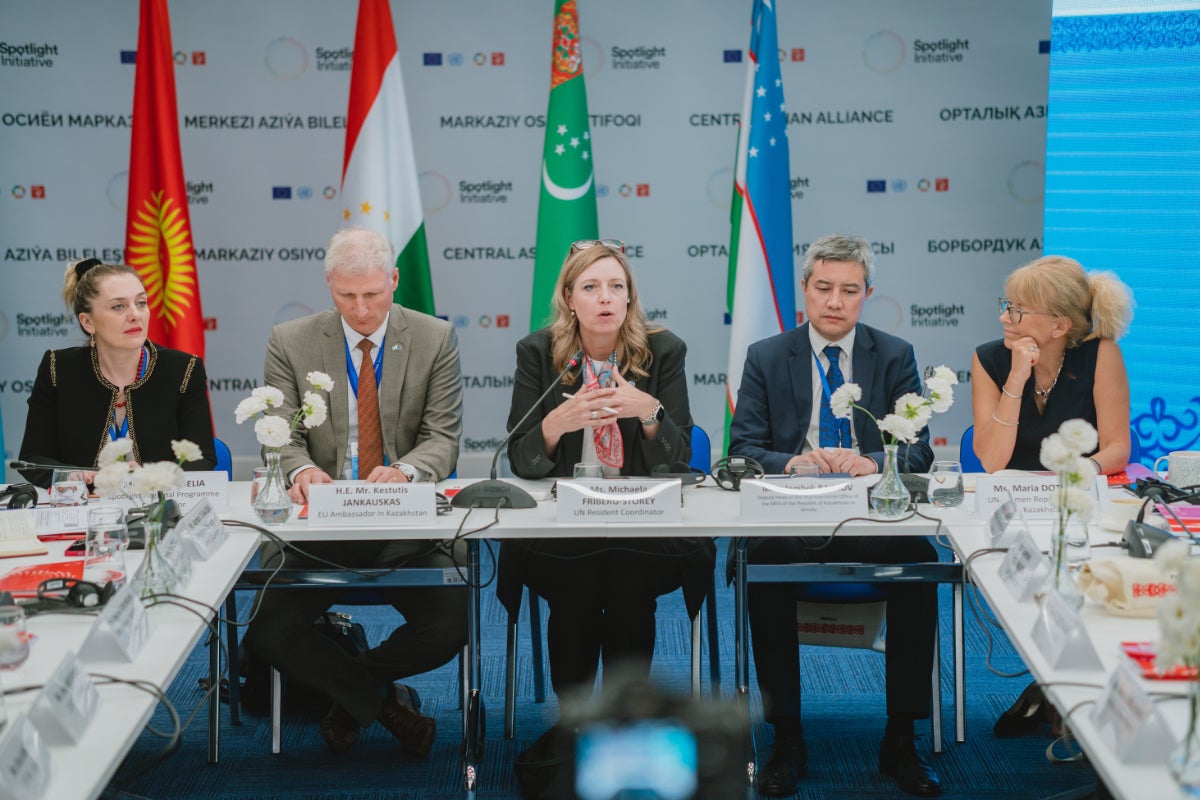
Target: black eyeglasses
x=612, y=244
x=1016, y=313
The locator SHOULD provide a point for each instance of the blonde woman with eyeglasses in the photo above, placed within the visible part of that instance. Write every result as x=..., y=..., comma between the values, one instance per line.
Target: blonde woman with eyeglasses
x=1058, y=360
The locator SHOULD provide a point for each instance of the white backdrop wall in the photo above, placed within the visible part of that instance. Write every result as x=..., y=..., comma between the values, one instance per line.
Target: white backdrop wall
x=919, y=125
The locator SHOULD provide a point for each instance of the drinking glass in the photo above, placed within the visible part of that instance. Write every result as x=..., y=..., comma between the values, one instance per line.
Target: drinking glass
x=259, y=481
x=588, y=471
x=68, y=488
x=946, y=484
x=107, y=540
x=14, y=641
x=802, y=469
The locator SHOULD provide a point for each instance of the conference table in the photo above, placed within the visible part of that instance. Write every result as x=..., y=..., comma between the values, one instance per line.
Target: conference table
x=707, y=511
x=1141, y=779
x=83, y=769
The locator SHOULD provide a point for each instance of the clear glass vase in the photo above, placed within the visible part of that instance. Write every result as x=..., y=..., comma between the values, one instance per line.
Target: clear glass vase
x=272, y=504
x=1062, y=575
x=1184, y=761
x=155, y=576
x=890, y=497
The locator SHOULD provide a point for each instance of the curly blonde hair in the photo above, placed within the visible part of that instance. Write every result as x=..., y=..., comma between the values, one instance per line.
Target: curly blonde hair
x=633, y=347
x=1097, y=304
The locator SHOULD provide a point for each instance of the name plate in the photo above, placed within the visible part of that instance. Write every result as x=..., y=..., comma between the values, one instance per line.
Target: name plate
x=197, y=486
x=121, y=629
x=803, y=499
x=355, y=503
x=1033, y=494
x=177, y=553
x=24, y=761
x=1129, y=721
x=1060, y=635
x=1025, y=568
x=620, y=500
x=67, y=703
x=202, y=529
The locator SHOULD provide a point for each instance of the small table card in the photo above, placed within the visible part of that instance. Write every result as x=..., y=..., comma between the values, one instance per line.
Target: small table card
x=202, y=529
x=67, y=702
x=1025, y=568
x=803, y=499
x=121, y=629
x=355, y=503
x=24, y=761
x=1000, y=526
x=177, y=552
x=1034, y=494
x=1060, y=635
x=620, y=500
x=210, y=486
x=60, y=519
x=1129, y=721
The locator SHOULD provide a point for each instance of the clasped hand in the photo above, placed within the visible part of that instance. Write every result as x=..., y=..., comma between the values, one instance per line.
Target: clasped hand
x=836, y=459
x=590, y=408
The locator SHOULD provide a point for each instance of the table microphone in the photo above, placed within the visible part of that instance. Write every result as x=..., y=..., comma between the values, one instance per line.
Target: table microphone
x=494, y=493
x=24, y=465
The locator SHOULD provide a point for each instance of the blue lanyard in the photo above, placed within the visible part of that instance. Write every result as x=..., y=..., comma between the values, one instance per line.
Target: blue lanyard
x=114, y=432
x=352, y=371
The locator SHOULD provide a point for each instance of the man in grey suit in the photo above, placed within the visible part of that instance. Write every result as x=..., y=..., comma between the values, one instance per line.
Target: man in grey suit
x=401, y=412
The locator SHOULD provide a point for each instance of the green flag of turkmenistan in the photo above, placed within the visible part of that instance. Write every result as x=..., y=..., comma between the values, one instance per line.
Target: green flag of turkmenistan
x=567, y=205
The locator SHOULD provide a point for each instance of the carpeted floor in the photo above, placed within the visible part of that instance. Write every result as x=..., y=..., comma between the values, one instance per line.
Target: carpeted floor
x=843, y=718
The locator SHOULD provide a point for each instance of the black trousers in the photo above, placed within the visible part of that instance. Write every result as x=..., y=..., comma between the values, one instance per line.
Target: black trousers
x=601, y=595
x=434, y=629
x=911, y=621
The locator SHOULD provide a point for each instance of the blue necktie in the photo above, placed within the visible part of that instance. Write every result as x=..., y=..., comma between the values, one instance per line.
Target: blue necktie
x=835, y=432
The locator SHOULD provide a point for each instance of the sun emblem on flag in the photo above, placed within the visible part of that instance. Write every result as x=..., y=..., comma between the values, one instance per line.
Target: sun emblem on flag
x=568, y=61
x=161, y=252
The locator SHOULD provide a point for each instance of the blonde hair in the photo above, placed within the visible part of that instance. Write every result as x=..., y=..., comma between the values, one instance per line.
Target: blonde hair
x=633, y=347
x=80, y=290
x=1097, y=304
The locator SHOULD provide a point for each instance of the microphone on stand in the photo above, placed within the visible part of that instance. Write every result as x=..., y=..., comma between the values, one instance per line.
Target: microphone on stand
x=494, y=493
x=24, y=465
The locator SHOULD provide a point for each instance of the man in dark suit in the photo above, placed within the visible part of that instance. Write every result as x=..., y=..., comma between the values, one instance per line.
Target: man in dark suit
x=779, y=421
x=401, y=405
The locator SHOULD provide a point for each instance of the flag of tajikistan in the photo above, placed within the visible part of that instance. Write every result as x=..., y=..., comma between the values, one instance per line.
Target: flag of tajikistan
x=379, y=171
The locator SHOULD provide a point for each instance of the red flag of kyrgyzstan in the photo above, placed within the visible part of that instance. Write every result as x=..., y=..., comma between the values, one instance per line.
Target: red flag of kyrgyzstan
x=158, y=230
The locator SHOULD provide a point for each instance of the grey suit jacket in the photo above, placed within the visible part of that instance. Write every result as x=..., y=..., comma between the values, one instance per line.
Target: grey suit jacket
x=420, y=391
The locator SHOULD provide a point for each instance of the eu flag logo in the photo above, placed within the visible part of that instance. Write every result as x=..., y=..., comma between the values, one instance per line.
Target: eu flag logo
x=129, y=56
x=433, y=59
x=876, y=186
x=281, y=193
x=733, y=56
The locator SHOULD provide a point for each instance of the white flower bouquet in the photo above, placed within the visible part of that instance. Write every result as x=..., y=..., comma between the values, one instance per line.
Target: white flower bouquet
x=1063, y=452
x=912, y=411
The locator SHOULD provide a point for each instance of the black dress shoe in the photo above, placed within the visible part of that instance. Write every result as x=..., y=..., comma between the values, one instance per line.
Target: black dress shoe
x=339, y=729
x=898, y=758
x=787, y=765
x=1024, y=716
x=400, y=716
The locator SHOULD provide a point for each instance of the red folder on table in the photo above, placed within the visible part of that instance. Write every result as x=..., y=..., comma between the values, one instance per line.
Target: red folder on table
x=24, y=581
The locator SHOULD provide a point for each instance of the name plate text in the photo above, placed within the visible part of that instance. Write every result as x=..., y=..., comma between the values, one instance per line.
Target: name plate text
x=210, y=486
x=1034, y=495
x=803, y=499
x=620, y=500
x=354, y=503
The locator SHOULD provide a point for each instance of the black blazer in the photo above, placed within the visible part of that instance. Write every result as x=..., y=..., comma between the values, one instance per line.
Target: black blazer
x=71, y=407
x=774, y=403
x=667, y=381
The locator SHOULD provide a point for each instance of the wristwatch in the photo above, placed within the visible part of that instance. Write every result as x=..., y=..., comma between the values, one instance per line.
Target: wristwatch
x=656, y=416
x=408, y=470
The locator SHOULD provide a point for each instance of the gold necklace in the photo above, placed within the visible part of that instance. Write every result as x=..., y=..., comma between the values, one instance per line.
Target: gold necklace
x=1037, y=387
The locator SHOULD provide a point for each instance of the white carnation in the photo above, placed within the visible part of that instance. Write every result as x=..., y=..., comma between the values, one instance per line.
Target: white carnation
x=314, y=409
x=269, y=395
x=110, y=480
x=944, y=373
x=115, y=451
x=1078, y=435
x=941, y=396
x=272, y=431
x=320, y=380
x=1188, y=583
x=913, y=406
x=904, y=430
x=842, y=399
x=1079, y=502
x=161, y=476
x=185, y=450
x=1171, y=556
x=1055, y=455
x=248, y=408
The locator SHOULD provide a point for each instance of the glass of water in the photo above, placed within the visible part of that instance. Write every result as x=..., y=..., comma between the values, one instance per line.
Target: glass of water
x=68, y=487
x=14, y=642
x=946, y=484
x=107, y=540
x=584, y=471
